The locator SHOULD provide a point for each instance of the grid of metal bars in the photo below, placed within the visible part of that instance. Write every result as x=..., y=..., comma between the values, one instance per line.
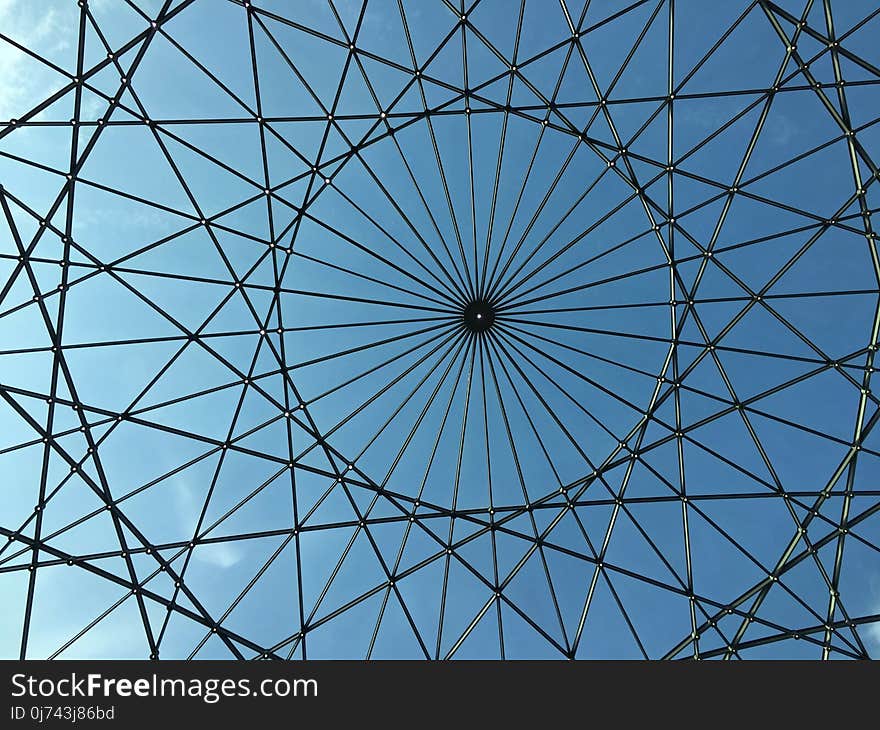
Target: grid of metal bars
x=482, y=321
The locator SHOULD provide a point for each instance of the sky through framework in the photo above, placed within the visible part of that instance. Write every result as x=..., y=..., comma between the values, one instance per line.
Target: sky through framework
x=435, y=329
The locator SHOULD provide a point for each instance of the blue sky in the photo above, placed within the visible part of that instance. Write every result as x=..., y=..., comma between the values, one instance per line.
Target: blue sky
x=410, y=526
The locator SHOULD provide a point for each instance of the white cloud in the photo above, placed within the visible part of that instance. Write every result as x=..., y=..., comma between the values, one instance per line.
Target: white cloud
x=873, y=634
x=221, y=555
x=36, y=26
x=99, y=217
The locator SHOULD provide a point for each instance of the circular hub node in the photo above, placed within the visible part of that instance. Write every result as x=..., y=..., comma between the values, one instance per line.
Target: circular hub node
x=478, y=316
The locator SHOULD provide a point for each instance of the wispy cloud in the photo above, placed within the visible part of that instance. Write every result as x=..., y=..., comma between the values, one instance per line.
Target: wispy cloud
x=25, y=79
x=221, y=555
x=873, y=634
x=99, y=217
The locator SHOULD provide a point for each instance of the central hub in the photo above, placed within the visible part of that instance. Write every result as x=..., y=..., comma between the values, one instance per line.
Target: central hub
x=478, y=316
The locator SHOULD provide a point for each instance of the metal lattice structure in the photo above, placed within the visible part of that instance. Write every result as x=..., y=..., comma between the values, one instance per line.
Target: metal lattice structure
x=439, y=329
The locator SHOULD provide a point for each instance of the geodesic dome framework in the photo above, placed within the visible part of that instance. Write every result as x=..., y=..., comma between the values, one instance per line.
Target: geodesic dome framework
x=437, y=329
